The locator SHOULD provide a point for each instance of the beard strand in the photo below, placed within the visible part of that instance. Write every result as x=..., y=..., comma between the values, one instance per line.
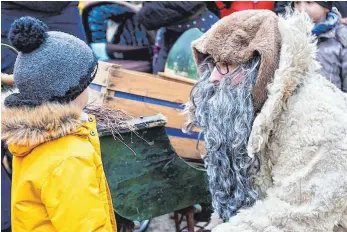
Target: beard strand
x=225, y=114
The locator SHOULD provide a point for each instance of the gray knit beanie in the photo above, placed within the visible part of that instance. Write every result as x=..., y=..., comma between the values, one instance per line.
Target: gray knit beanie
x=50, y=67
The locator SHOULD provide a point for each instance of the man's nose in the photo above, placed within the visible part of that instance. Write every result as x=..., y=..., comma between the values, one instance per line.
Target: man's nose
x=215, y=76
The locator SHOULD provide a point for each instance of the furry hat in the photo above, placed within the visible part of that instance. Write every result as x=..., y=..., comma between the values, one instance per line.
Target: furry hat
x=239, y=37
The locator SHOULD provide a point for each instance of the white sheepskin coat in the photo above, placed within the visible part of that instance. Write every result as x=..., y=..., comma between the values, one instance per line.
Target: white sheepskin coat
x=301, y=137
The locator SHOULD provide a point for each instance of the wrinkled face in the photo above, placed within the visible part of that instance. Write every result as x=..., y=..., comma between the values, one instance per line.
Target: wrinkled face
x=314, y=10
x=221, y=105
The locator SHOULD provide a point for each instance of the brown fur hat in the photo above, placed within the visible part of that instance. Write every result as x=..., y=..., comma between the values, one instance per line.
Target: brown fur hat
x=237, y=38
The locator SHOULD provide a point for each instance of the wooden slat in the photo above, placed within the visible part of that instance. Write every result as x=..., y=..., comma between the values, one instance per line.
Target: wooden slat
x=187, y=147
x=96, y=98
x=149, y=86
x=137, y=109
x=104, y=69
x=142, y=74
x=165, y=87
x=112, y=78
x=184, y=147
x=173, y=77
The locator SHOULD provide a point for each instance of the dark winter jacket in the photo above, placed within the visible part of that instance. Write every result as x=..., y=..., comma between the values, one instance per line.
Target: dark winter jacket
x=173, y=19
x=155, y=15
x=59, y=16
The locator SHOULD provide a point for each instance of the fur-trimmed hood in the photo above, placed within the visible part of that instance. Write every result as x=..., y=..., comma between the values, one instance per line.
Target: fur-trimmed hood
x=29, y=127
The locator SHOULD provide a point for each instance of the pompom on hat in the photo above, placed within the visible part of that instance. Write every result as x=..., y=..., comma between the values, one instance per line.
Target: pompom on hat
x=51, y=66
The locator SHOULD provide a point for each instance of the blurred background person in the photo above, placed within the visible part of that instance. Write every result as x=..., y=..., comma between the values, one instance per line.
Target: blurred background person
x=116, y=35
x=332, y=40
x=171, y=19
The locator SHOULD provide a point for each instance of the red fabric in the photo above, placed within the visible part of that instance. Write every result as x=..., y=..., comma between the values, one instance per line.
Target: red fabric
x=244, y=5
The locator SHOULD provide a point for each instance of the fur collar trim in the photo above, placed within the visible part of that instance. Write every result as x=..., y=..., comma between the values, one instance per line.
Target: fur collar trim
x=33, y=126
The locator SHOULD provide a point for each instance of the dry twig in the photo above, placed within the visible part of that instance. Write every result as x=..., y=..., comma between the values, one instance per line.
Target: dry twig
x=114, y=121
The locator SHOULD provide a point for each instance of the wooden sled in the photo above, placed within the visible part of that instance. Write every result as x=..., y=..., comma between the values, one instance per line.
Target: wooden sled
x=150, y=179
x=141, y=94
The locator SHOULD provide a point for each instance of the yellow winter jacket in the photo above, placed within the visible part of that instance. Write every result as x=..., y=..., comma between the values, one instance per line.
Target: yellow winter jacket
x=58, y=181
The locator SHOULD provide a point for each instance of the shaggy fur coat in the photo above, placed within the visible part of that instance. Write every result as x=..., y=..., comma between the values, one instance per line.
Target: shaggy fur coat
x=301, y=138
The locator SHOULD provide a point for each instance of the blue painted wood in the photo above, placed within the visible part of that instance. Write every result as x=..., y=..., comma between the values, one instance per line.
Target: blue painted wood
x=170, y=131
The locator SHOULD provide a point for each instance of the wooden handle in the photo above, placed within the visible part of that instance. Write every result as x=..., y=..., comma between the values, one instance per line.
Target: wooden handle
x=7, y=79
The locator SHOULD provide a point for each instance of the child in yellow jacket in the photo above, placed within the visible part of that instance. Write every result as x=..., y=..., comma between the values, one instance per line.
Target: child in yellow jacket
x=58, y=181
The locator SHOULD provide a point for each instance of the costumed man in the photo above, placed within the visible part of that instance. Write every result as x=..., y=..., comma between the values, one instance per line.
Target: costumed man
x=275, y=129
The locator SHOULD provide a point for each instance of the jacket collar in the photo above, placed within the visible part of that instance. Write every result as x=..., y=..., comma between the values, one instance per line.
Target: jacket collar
x=26, y=128
x=328, y=34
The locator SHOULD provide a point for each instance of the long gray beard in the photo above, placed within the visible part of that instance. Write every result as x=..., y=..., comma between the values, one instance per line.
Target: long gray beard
x=225, y=114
